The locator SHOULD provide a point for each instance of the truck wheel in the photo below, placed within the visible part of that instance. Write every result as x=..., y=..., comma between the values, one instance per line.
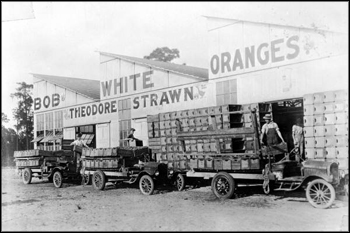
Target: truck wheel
x=146, y=185
x=27, y=176
x=57, y=179
x=320, y=194
x=180, y=182
x=99, y=180
x=87, y=179
x=223, y=185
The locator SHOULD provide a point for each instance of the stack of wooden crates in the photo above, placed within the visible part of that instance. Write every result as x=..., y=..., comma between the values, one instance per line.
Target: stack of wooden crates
x=31, y=158
x=112, y=158
x=326, y=127
x=235, y=153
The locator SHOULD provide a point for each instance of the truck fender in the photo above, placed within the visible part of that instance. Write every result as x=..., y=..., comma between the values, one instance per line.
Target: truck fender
x=54, y=170
x=311, y=178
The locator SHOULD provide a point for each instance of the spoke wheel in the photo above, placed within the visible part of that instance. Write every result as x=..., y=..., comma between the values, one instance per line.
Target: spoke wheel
x=146, y=185
x=57, y=179
x=320, y=194
x=223, y=185
x=180, y=182
x=99, y=180
x=27, y=176
x=87, y=179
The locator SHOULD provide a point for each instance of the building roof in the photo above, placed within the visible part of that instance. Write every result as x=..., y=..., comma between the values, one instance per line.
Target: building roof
x=195, y=72
x=317, y=16
x=86, y=87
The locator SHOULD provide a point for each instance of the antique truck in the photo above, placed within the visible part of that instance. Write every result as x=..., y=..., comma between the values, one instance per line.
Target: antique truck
x=122, y=165
x=221, y=145
x=56, y=166
x=320, y=179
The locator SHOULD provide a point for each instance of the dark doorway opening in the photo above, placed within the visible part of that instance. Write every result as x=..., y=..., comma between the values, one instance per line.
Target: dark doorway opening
x=284, y=113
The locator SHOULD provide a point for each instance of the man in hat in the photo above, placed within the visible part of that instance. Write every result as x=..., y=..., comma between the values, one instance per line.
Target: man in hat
x=79, y=142
x=271, y=130
x=131, y=135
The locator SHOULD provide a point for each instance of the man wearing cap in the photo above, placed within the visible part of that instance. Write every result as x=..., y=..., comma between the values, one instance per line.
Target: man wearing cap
x=131, y=135
x=271, y=130
x=79, y=142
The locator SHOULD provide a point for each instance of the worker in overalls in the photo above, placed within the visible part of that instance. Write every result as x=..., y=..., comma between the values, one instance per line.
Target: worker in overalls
x=271, y=131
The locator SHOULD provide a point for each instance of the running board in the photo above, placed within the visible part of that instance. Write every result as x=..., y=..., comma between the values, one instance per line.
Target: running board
x=131, y=181
x=283, y=186
x=285, y=189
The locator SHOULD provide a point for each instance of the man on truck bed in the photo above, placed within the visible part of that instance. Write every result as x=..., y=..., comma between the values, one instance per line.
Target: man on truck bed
x=270, y=130
x=79, y=142
x=131, y=135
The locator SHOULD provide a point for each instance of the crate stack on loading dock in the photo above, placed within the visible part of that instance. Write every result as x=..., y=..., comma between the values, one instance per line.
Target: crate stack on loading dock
x=326, y=127
x=205, y=152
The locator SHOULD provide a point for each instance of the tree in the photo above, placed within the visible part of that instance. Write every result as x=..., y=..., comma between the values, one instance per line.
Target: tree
x=4, y=119
x=23, y=115
x=8, y=142
x=163, y=54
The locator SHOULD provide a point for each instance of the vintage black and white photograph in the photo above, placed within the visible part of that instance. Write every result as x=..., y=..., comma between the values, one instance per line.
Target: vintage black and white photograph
x=174, y=116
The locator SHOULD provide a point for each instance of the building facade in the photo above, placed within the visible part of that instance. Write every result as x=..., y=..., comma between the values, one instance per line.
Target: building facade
x=282, y=69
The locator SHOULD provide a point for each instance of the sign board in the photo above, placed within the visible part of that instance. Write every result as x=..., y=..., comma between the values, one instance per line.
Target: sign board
x=245, y=47
x=90, y=113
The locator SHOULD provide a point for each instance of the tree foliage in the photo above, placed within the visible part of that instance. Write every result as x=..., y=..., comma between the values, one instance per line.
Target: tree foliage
x=163, y=54
x=23, y=114
x=8, y=142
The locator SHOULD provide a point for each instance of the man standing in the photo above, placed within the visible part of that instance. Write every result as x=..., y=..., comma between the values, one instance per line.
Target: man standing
x=79, y=142
x=298, y=139
x=271, y=130
x=131, y=135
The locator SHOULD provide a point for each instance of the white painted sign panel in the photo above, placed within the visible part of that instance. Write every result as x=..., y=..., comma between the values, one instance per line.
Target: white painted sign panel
x=245, y=47
x=91, y=113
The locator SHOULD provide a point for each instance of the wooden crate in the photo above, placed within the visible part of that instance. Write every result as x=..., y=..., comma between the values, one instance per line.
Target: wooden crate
x=341, y=107
x=209, y=163
x=318, y=98
x=342, y=152
x=245, y=162
x=341, y=130
x=218, y=164
x=236, y=163
x=308, y=110
x=328, y=96
x=320, y=142
x=107, y=152
x=340, y=95
x=341, y=141
x=329, y=119
x=201, y=163
x=193, y=162
x=226, y=163
x=254, y=162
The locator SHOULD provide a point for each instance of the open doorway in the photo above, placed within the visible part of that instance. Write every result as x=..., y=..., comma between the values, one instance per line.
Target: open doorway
x=284, y=113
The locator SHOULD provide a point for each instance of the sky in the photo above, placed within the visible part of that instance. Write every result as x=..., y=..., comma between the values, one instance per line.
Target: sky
x=63, y=38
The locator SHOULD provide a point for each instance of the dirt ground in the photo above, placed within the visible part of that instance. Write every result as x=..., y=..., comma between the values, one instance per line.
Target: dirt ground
x=42, y=207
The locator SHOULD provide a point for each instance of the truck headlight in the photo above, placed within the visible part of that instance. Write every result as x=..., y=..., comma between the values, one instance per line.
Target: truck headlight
x=157, y=173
